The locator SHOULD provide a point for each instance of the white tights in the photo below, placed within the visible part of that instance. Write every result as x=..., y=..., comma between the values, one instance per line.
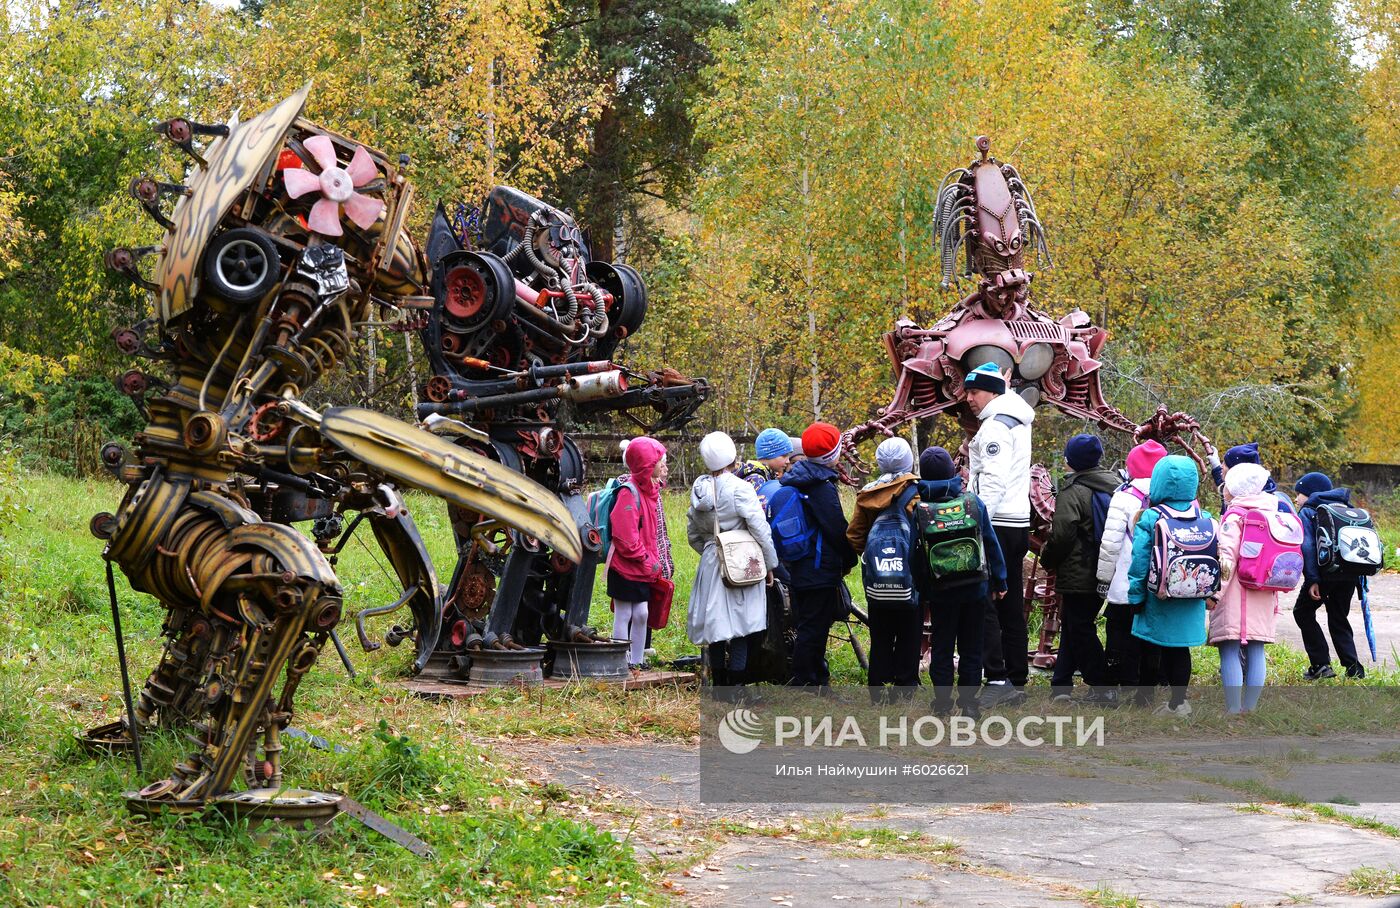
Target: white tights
x=630, y=623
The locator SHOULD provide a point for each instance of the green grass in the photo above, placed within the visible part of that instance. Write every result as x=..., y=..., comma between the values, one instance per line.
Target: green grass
x=1372, y=881
x=1104, y=896
x=66, y=837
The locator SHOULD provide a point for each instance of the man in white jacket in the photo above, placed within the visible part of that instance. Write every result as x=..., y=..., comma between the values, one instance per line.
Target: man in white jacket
x=999, y=468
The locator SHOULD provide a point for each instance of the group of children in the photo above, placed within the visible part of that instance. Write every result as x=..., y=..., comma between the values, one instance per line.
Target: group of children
x=1172, y=575
x=1175, y=578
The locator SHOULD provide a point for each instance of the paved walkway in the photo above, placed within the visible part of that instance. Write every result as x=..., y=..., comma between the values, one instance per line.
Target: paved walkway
x=1028, y=855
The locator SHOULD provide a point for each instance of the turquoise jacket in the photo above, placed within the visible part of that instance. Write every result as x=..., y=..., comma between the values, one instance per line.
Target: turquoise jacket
x=1170, y=622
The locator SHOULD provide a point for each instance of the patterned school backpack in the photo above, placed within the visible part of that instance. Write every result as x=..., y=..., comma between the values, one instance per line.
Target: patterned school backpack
x=951, y=532
x=1347, y=542
x=1271, y=549
x=1185, y=560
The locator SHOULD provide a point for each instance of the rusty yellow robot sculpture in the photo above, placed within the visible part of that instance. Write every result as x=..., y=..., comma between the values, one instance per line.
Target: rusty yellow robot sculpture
x=285, y=242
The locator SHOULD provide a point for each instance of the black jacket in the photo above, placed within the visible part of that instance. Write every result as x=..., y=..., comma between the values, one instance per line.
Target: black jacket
x=1071, y=550
x=818, y=483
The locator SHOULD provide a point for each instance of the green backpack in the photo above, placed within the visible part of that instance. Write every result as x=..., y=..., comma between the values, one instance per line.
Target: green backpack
x=952, y=537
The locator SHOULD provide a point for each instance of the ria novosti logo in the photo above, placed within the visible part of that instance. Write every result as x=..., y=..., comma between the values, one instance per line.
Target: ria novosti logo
x=740, y=731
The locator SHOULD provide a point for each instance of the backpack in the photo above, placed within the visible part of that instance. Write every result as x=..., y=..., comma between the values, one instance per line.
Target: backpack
x=951, y=533
x=1271, y=550
x=600, y=508
x=887, y=564
x=1185, y=562
x=795, y=536
x=766, y=491
x=1347, y=542
x=1099, y=504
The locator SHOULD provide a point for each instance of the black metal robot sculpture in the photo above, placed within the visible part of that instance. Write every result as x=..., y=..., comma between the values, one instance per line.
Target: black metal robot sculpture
x=280, y=247
x=521, y=337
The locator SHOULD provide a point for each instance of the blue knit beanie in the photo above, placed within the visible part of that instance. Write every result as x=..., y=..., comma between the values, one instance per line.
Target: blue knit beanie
x=772, y=443
x=1242, y=454
x=935, y=463
x=986, y=377
x=1083, y=452
x=1310, y=484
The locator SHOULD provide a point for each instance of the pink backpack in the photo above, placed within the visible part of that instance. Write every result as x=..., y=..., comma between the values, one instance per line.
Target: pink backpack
x=1271, y=549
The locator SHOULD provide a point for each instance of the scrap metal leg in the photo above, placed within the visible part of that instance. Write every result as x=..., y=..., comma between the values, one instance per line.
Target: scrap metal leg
x=506, y=606
x=581, y=593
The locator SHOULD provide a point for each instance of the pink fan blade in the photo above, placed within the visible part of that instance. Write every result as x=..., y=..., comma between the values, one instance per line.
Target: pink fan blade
x=362, y=168
x=323, y=150
x=325, y=218
x=363, y=210
x=300, y=182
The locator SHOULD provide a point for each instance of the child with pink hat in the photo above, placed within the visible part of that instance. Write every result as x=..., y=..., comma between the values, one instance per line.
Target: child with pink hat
x=1121, y=652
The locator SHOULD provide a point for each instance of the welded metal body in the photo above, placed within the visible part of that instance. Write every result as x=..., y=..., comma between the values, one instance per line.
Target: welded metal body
x=521, y=338
x=984, y=214
x=252, y=307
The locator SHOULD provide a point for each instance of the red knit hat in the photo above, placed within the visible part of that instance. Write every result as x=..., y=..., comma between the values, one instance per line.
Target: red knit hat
x=820, y=439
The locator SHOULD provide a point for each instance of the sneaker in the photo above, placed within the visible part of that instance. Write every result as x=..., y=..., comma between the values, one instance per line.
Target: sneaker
x=1318, y=672
x=970, y=711
x=1181, y=711
x=1061, y=697
x=998, y=693
x=1106, y=698
x=1356, y=672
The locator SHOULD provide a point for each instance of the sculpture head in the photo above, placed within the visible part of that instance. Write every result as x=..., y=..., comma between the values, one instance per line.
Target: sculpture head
x=986, y=210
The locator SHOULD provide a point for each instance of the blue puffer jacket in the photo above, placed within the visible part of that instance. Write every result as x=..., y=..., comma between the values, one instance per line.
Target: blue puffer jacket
x=947, y=490
x=1308, y=514
x=1170, y=622
x=818, y=483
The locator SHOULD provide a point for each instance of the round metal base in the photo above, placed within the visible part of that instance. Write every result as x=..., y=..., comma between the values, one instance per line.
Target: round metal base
x=506, y=666
x=605, y=661
x=149, y=807
x=103, y=740
x=289, y=805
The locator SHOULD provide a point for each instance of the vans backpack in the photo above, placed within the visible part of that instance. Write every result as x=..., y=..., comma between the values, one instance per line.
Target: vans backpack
x=1347, y=542
x=951, y=533
x=1271, y=550
x=1185, y=555
x=600, y=508
x=887, y=564
x=795, y=536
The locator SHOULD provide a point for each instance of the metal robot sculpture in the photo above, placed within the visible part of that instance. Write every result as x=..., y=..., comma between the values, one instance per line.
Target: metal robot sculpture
x=985, y=211
x=284, y=242
x=521, y=337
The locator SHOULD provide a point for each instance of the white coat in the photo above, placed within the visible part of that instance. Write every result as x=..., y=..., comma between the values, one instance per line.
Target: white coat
x=999, y=460
x=718, y=612
x=1118, y=533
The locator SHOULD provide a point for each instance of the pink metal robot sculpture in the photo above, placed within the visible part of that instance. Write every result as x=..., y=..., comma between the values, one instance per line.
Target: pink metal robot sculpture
x=985, y=211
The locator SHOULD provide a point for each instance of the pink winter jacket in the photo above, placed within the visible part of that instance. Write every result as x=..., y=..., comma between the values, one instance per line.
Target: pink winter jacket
x=634, y=553
x=1241, y=614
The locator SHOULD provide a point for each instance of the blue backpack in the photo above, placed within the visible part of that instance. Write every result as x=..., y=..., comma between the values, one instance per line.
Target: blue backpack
x=795, y=537
x=1101, y=502
x=766, y=491
x=600, y=506
x=887, y=565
